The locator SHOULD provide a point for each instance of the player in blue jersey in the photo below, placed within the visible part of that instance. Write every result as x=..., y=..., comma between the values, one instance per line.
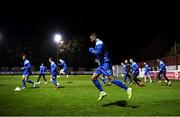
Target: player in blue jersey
x=63, y=68
x=26, y=72
x=102, y=77
x=147, y=73
x=135, y=72
x=42, y=72
x=53, y=70
x=125, y=74
x=162, y=71
x=104, y=68
x=128, y=71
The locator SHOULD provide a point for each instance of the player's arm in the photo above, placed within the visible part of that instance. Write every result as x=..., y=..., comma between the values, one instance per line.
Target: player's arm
x=28, y=65
x=45, y=69
x=65, y=65
x=134, y=68
x=54, y=67
x=98, y=49
x=160, y=67
x=60, y=64
x=137, y=67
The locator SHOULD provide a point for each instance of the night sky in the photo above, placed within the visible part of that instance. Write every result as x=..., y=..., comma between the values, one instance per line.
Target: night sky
x=130, y=30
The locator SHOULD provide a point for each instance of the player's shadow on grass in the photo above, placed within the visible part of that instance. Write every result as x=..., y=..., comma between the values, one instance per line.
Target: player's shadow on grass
x=2, y=85
x=70, y=82
x=119, y=103
x=62, y=87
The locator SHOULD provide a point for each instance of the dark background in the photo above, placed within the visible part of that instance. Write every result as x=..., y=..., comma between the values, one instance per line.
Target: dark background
x=138, y=30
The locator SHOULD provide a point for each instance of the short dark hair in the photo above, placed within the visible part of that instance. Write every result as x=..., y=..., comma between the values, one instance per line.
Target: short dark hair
x=93, y=34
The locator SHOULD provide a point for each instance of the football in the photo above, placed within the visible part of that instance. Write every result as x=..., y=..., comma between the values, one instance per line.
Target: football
x=17, y=89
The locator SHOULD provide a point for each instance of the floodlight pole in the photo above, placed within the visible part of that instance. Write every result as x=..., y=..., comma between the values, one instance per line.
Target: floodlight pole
x=57, y=53
x=57, y=39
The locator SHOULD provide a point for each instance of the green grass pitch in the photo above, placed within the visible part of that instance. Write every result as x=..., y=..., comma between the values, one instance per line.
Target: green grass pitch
x=78, y=97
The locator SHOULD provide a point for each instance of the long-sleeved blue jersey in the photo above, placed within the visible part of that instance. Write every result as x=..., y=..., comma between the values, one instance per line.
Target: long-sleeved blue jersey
x=42, y=69
x=134, y=67
x=105, y=65
x=101, y=52
x=53, y=68
x=162, y=66
x=26, y=67
x=146, y=68
x=63, y=65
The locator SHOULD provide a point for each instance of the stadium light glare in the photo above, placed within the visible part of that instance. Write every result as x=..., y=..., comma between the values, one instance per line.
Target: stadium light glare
x=57, y=38
x=59, y=41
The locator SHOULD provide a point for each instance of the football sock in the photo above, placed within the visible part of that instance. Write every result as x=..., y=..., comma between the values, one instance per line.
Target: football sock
x=97, y=84
x=38, y=78
x=136, y=80
x=29, y=81
x=24, y=83
x=44, y=78
x=54, y=82
x=120, y=84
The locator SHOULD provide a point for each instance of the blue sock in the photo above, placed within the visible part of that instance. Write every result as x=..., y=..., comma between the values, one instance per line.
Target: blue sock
x=54, y=82
x=103, y=80
x=120, y=84
x=97, y=84
x=29, y=81
x=24, y=83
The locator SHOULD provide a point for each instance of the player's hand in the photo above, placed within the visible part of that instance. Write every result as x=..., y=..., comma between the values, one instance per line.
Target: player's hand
x=90, y=49
x=22, y=67
x=96, y=60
